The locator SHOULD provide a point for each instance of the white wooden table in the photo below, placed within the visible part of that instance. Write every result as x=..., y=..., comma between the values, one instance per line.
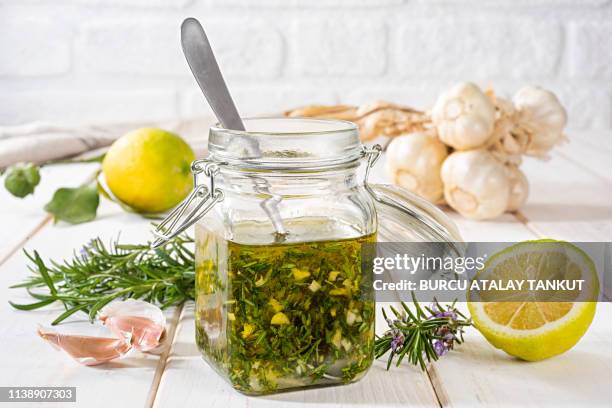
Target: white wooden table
x=571, y=198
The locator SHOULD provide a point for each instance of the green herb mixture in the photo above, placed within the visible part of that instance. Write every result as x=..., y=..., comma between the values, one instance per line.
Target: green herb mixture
x=285, y=315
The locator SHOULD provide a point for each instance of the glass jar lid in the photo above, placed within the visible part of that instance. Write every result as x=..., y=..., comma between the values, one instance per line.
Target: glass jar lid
x=286, y=143
x=406, y=217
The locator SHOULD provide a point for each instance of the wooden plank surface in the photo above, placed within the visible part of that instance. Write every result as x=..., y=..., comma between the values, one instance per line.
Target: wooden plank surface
x=567, y=201
x=29, y=361
x=590, y=150
x=189, y=381
x=21, y=217
x=478, y=375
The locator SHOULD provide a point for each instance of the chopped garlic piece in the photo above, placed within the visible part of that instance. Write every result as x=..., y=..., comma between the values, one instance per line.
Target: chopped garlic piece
x=336, y=340
x=350, y=318
x=346, y=344
x=279, y=319
x=231, y=316
x=299, y=274
x=247, y=330
x=338, y=292
x=276, y=305
x=333, y=275
x=314, y=286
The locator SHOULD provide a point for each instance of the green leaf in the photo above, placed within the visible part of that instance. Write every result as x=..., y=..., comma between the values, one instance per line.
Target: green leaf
x=74, y=205
x=21, y=179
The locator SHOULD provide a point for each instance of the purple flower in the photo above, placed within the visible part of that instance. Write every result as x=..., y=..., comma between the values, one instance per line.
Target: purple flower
x=449, y=313
x=440, y=347
x=449, y=337
x=397, y=342
x=84, y=253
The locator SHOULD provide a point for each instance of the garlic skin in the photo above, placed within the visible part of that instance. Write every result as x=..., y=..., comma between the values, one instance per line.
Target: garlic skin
x=86, y=350
x=414, y=161
x=519, y=188
x=541, y=116
x=140, y=323
x=476, y=185
x=464, y=117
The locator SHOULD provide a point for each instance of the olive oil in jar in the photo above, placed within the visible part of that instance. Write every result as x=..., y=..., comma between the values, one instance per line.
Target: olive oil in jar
x=284, y=315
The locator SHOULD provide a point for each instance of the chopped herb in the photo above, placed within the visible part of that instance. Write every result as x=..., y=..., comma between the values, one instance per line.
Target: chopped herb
x=286, y=315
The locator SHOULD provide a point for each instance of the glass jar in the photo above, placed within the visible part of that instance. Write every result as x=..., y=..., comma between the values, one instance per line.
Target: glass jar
x=281, y=211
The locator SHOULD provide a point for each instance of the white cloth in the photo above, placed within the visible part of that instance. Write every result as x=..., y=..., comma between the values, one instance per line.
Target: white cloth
x=40, y=142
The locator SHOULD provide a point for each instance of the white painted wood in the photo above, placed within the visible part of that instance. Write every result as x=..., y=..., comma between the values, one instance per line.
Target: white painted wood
x=28, y=360
x=591, y=151
x=503, y=229
x=190, y=381
x=567, y=201
x=478, y=375
x=20, y=217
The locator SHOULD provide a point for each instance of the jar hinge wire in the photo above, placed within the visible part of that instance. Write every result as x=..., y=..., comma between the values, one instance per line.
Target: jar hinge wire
x=208, y=196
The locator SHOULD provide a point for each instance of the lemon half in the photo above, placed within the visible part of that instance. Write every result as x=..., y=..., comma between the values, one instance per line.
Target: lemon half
x=534, y=325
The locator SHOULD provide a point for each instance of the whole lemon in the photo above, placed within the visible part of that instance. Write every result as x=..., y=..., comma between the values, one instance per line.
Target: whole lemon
x=149, y=169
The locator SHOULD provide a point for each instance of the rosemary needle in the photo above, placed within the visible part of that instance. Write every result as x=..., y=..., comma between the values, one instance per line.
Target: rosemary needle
x=99, y=274
x=425, y=334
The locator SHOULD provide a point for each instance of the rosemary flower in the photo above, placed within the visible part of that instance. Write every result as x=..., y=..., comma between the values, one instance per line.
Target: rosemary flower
x=440, y=347
x=397, y=342
x=421, y=335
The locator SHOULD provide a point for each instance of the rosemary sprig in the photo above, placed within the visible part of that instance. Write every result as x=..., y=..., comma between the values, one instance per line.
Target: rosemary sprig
x=98, y=274
x=425, y=334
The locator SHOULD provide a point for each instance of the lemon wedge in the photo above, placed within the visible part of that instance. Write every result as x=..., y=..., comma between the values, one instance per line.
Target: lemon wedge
x=536, y=324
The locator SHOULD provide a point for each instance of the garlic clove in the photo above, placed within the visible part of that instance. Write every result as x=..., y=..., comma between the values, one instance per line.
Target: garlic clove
x=414, y=161
x=476, y=185
x=519, y=188
x=87, y=350
x=464, y=117
x=142, y=323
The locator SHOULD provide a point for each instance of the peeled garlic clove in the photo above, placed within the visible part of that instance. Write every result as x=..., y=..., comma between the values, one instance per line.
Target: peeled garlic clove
x=87, y=350
x=142, y=323
x=542, y=116
x=414, y=161
x=519, y=188
x=476, y=185
x=464, y=117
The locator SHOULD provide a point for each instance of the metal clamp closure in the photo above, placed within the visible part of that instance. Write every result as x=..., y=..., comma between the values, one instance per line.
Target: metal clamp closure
x=372, y=154
x=199, y=202
x=204, y=197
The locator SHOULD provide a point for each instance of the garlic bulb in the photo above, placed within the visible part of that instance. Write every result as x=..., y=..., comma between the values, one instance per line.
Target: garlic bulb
x=414, y=161
x=476, y=185
x=519, y=188
x=541, y=116
x=464, y=117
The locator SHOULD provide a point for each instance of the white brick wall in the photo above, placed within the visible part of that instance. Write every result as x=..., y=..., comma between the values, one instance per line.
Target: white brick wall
x=104, y=60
